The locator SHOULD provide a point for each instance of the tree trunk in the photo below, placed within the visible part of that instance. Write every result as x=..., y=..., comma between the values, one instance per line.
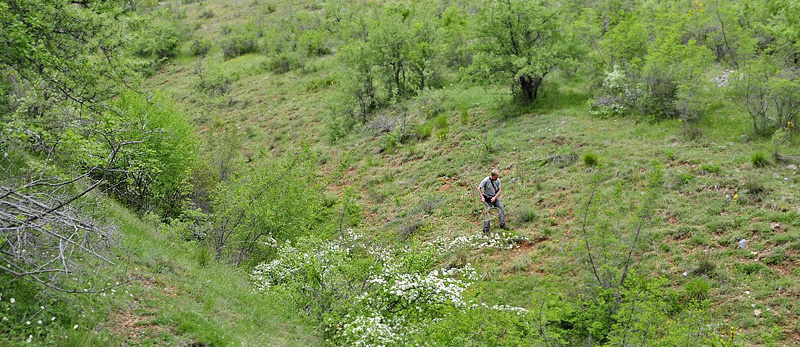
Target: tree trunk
x=529, y=88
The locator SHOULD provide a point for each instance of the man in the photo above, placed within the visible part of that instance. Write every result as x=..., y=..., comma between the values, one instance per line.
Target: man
x=490, y=189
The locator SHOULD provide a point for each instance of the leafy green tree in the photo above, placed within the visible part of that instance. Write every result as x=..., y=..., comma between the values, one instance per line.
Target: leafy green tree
x=625, y=44
x=669, y=65
x=152, y=40
x=784, y=26
x=455, y=49
x=521, y=41
x=277, y=200
x=389, y=39
x=423, y=54
x=54, y=47
x=62, y=64
x=358, y=82
x=154, y=174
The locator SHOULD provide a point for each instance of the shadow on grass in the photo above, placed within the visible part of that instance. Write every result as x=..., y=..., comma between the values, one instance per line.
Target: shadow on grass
x=552, y=98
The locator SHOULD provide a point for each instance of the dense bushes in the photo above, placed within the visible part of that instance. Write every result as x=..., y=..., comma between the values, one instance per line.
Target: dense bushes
x=154, y=174
x=657, y=61
x=282, y=62
x=292, y=40
x=153, y=40
x=277, y=201
x=364, y=294
x=769, y=94
x=662, y=83
x=390, y=56
x=199, y=48
x=238, y=42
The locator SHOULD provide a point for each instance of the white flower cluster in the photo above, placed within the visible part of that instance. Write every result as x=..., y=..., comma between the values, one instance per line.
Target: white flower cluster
x=371, y=331
x=395, y=298
x=615, y=80
x=398, y=296
x=291, y=260
x=477, y=241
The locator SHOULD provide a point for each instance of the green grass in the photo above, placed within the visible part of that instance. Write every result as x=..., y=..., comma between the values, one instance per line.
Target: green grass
x=168, y=295
x=197, y=300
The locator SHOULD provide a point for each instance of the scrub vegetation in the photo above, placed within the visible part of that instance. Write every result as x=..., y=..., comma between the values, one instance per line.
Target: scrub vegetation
x=274, y=172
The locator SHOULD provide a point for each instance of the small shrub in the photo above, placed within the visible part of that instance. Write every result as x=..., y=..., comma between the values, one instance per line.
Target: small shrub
x=390, y=143
x=700, y=239
x=590, y=159
x=692, y=105
x=759, y=160
x=213, y=81
x=464, y=116
x=234, y=45
x=440, y=121
x=697, y=289
x=527, y=215
x=314, y=43
x=711, y=168
x=154, y=43
x=328, y=200
x=776, y=257
x=753, y=190
x=268, y=8
x=424, y=130
x=705, y=268
x=411, y=228
x=207, y=14
x=685, y=177
x=203, y=256
x=282, y=62
x=428, y=206
x=751, y=268
x=199, y=48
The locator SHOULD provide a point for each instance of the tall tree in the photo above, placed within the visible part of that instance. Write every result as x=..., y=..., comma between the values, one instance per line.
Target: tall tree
x=521, y=41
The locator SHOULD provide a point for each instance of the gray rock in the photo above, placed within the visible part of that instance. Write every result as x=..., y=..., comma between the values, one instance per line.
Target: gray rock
x=743, y=243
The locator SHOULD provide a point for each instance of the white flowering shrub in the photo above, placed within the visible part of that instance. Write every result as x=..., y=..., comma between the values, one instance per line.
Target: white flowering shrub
x=370, y=295
x=617, y=96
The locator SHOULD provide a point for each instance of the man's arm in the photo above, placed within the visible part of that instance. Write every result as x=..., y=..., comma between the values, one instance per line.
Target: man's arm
x=499, y=189
x=497, y=195
x=480, y=189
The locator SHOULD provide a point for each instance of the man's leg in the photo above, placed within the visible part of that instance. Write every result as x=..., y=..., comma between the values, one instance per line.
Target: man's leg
x=502, y=208
x=487, y=224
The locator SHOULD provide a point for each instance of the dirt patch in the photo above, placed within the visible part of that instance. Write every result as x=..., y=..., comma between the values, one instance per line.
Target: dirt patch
x=155, y=285
x=134, y=326
x=793, y=334
x=559, y=141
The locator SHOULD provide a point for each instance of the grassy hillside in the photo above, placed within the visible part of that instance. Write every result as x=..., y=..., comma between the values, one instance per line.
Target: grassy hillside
x=170, y=294
x=672, y=225
x=715, y=192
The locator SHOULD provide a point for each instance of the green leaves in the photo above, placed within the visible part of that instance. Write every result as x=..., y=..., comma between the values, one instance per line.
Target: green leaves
x=153, y=174
x=277, y=199
x=520, y=41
